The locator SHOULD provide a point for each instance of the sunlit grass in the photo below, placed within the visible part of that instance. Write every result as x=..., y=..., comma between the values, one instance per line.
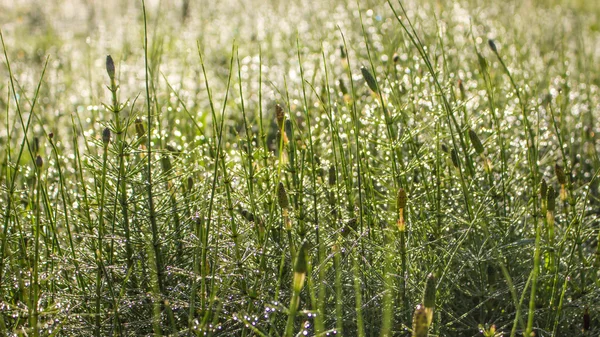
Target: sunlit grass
x=326, y=168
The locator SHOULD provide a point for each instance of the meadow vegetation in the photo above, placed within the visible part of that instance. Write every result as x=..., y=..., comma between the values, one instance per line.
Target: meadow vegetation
x=274, y=168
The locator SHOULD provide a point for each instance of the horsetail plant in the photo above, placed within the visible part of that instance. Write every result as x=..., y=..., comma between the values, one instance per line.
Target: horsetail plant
x=120, y=128
x=202, y=229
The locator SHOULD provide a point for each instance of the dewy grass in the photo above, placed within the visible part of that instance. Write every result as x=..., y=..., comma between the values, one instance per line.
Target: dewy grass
x=394, y=168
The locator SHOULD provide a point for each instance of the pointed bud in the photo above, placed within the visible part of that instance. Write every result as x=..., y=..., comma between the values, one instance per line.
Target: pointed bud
x=106, y=136
x=39, y=162
x=454, y=157
x=401, y=199
x=492, y=46
x=110, y=67
x=560, y=174
x=551, y=199
x=279, y=115
x=342, y=86
x=342, y=52
x=476, y=142
x=166, y=163
x=543, y=189
x=332, y=175
x=282, y=197
x=190, y=183
x=369, y=79
x=139, y=128
x=461, y=88
x=300, y=264
x=300, y=267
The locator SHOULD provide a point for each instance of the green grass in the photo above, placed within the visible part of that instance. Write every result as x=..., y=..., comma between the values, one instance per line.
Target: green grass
x=250, y=168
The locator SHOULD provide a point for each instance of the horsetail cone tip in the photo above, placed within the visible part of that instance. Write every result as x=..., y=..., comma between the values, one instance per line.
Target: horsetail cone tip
x=39, y=162
x=110, y=67
x=401, y=199
x=454, y=157
x=139, y=128
x=106, y=136
x=279, y=115
x=342, y=52
x=300, y=267
x=342, y=86
x=332, y=175
x=543, y=189
x=476, y=142
x=166, y=163
x=560, y=174
x=419, y=323
x=282, y=197
x=492, y=45
x=551, y=199
x=190, y=183
x=586, y=320
x=369, y=79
